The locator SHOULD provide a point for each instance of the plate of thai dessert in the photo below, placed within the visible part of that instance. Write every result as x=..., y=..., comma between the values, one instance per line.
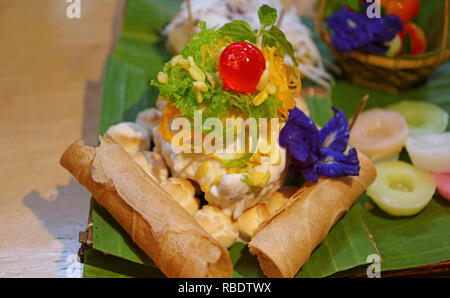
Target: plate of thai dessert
x=229, y=157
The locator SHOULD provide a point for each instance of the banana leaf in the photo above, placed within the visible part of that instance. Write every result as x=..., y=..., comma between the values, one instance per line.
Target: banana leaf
x=402, y=242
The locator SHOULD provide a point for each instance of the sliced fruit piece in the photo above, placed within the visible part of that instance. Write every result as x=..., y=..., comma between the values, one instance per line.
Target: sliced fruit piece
x=413, y=39
x=379, y=134
x=405, y=9
x=443, y=184
x=395, y=46
x=401, y=189
x=430, y=152
x=422, y=116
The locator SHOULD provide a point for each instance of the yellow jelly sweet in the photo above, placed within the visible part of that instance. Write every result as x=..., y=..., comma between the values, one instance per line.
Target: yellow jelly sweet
x=422, y=117
x=401, y=189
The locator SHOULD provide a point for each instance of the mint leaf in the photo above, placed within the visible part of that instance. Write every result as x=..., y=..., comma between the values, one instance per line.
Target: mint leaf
x=276, y=35
x=238, y=30
x=267, y=15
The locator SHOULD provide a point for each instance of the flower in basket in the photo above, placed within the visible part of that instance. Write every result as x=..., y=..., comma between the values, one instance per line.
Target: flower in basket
x=411, y=40
x=353, y=30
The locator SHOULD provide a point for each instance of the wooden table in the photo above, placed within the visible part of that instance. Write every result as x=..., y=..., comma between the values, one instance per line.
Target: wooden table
x=51, y=69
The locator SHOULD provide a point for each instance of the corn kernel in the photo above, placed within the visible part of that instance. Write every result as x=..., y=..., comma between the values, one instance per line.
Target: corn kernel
x=201, y=86
x=260, y=179
x=196, y=73
x=263, y=80
x=162, y=77
x=205, y=187
x=211, y=80
x=191, y=61
x=176, y=60
x=257, y=178
x=271, y=89
x=202, y=170
x=198, y=95
x=217, y=180
x=260, y=98
x=184, y=63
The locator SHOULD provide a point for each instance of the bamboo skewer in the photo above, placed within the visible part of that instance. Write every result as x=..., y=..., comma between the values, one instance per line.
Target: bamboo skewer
x=361, y=106
x=286, y=6
x=189, y=10
x=190, y=16
x=280, y=19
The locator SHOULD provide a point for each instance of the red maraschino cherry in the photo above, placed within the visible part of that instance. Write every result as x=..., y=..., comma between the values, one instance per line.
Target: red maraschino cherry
x=241, y=66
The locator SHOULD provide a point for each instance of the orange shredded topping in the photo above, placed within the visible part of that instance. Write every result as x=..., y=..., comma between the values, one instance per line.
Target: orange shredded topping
x=280, y=76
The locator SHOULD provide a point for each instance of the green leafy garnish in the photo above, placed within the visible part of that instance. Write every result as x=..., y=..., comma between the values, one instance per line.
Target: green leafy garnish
x=239, y=162
x=274, y=36
x=238, y=30
x=280, y=39
x=267, y=15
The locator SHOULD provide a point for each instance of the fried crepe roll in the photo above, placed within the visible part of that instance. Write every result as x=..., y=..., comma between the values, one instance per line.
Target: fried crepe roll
x=285, y=242
x=177, y=244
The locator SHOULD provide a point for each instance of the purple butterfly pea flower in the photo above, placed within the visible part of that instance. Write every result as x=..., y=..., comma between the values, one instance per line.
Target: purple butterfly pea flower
x=335, y=164
x=349, y=30
x=355, y=31
x=317, y=152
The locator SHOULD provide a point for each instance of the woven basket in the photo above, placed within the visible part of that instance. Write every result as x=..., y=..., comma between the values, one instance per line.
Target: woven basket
x=381, y=72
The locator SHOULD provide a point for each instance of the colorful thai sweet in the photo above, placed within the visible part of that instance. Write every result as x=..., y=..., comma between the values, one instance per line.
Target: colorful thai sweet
x=380, y=134
x=422, y=117
x=443, y=184
x=430, y=152
x=401, y=189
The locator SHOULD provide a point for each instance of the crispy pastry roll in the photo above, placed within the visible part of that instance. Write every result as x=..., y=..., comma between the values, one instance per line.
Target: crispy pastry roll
x=178, y=245
x=285, y=242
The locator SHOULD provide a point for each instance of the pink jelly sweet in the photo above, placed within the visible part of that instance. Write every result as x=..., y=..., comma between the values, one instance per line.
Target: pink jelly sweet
x=443, y=184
